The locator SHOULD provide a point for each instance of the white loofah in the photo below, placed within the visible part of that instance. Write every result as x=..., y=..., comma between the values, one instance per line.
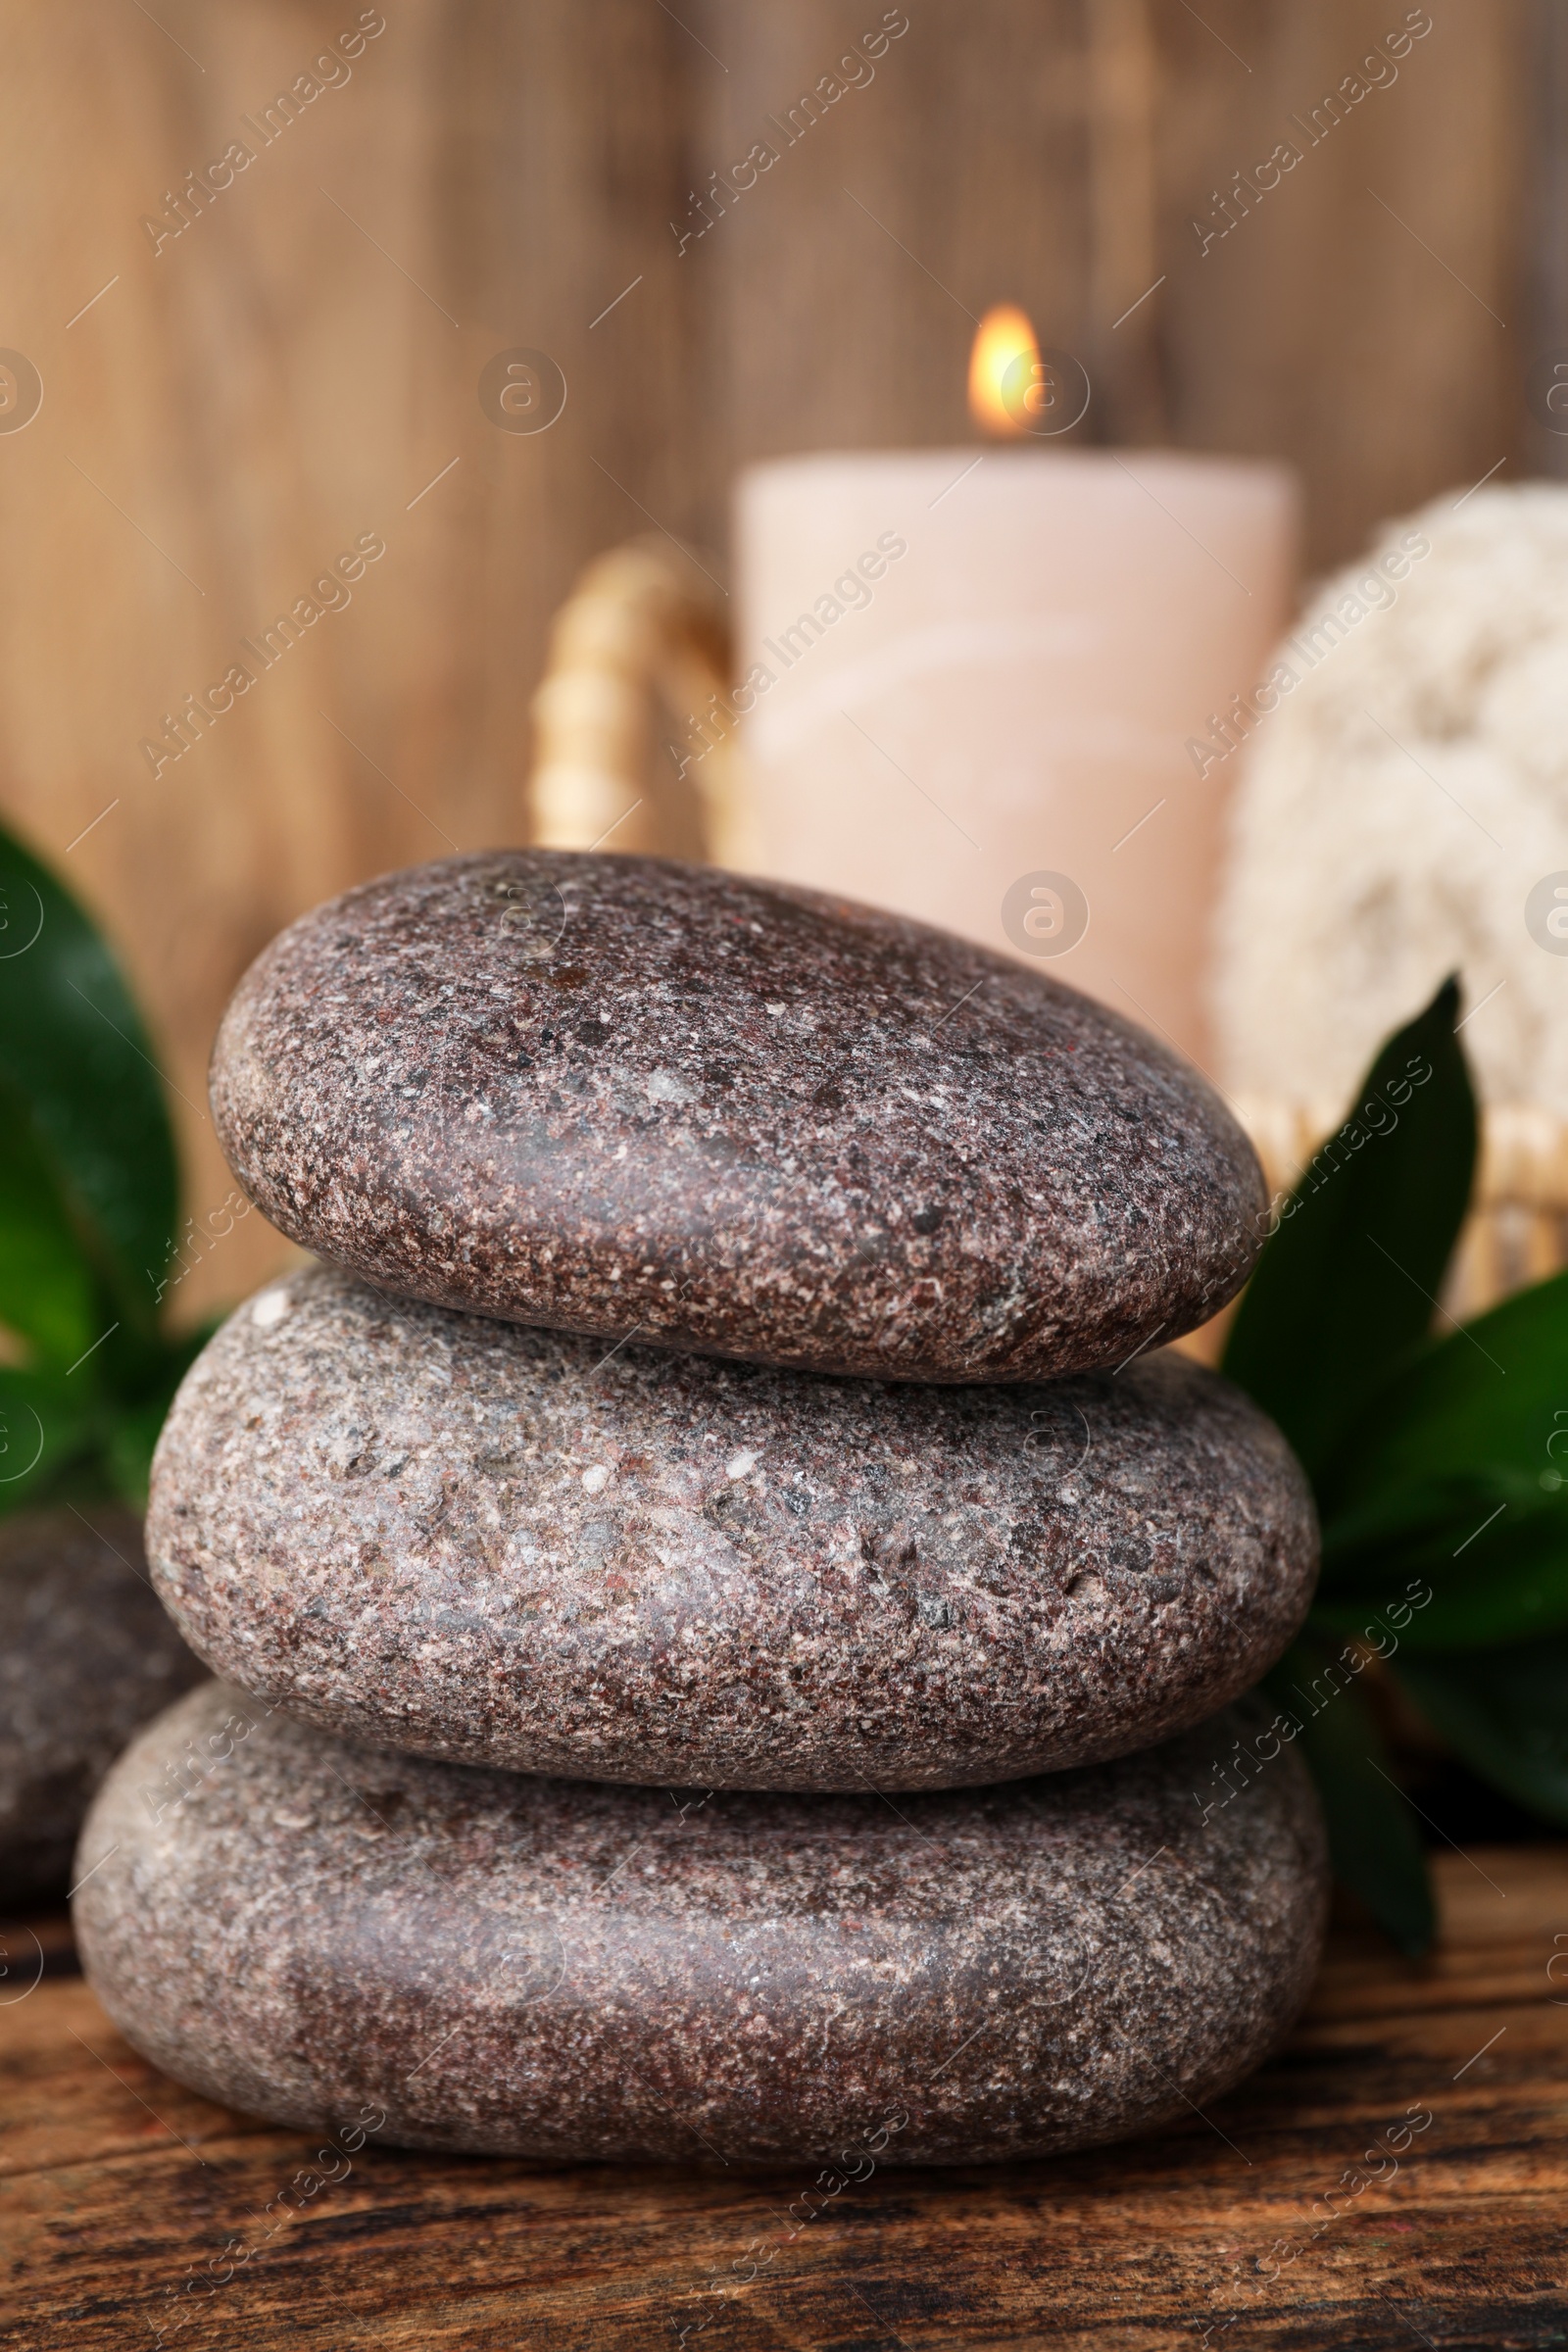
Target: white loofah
x=1397, y=806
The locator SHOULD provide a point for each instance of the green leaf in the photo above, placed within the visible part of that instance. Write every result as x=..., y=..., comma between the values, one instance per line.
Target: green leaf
x=1372, y=1843
x=1487, y=1550
x=48, y=1296
x=1494, y=1394
x=72, y=1046
x=136, y=1426
x=131, y=1443
x=1505, y=1713
x=51, y=1435
x=1348, y=1284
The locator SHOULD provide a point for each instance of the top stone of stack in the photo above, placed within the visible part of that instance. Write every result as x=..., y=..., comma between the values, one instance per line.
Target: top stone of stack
x=622, y=1094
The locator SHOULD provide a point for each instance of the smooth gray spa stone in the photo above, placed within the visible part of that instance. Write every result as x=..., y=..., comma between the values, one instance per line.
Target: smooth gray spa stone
x=510, y=1547
x=624, y=1095
x=86, y=1658
x=319, y=1932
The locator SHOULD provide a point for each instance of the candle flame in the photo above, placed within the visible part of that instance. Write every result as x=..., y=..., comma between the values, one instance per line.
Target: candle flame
x=1003, y=336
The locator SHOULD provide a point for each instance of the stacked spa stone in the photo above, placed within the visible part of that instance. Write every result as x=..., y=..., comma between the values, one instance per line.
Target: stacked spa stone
x=721, y=1618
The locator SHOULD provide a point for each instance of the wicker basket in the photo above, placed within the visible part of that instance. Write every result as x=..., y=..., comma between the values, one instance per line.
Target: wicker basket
x=641, y=636
x=644, y=633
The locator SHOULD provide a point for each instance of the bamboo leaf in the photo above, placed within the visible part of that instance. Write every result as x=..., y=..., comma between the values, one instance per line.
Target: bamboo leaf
x=1348, y=1284
x=50, y=1439
x=1490, y=1398
x=48, y=1294
x=1372, y=1842
x=72, y=1048
x=1505, y=1713
x=1488, y=1545
x=137, y=1426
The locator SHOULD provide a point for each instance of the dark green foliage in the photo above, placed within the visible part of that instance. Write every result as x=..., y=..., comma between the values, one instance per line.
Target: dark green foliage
x=1372, y=1839
x=89, y=1206
x=1439, y=1457
x=1361, y=1247
x=1502, y=1710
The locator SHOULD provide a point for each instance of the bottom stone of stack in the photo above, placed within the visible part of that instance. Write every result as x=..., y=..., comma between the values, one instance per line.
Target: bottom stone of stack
x=451, y=1958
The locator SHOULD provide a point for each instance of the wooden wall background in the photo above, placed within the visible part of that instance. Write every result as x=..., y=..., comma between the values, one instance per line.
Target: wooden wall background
x=302, y=361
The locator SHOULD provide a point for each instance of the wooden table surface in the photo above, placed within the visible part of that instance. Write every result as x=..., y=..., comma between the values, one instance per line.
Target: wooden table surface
x=1264, y=2222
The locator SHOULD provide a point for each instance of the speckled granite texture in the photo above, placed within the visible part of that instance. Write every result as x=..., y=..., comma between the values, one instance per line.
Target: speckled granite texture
x=558, y=1969
x=501, y=1547
x=621, y=1093
x=86, y=1658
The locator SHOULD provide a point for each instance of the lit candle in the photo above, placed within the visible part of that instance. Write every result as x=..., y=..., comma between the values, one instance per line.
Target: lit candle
x=975, y=682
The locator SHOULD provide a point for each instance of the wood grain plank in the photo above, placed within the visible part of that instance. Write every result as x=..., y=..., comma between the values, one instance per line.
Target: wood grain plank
x=1361, y=318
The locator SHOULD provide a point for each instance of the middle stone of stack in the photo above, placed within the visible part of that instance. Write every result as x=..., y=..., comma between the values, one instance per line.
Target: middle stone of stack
x=498, y=1546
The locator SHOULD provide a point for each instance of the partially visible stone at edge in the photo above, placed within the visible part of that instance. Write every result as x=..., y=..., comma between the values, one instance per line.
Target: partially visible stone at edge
x=87, y=1656
x=330, y=1936
x=621, y=1093
x=492, y=1545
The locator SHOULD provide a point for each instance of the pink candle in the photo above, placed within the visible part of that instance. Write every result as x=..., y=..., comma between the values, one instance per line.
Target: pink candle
x=976, y=682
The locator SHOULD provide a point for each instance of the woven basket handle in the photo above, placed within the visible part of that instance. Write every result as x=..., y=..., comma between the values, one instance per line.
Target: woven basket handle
x=641, y=634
